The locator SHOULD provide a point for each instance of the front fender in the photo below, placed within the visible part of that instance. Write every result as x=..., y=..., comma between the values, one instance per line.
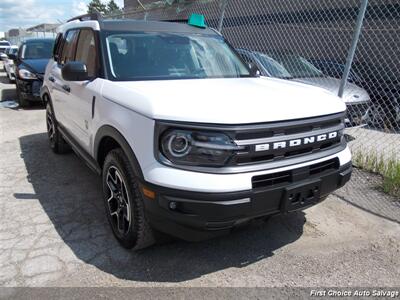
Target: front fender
x=109, y=131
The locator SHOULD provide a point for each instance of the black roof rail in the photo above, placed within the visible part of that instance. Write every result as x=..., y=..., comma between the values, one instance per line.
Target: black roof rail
x=175, y=20
x=88, y=17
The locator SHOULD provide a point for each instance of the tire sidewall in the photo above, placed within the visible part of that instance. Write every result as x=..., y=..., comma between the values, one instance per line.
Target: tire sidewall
x=52, y=143
x=130, y=238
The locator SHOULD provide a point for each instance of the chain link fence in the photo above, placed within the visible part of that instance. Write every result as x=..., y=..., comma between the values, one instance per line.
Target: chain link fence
x=349, y=47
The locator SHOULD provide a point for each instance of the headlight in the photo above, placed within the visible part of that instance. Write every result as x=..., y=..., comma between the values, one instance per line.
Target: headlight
x=197, y=148
x=25, y=74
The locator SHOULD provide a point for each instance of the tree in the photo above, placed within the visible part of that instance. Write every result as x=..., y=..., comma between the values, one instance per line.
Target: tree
x=112, y=8
x=97, y=6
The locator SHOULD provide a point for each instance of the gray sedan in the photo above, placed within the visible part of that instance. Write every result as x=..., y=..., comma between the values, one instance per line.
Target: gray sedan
x=294, y=67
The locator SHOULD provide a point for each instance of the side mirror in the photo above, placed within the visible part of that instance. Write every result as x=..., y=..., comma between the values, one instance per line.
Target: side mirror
x=12, y=56
x=74, y=71
x=254, y=71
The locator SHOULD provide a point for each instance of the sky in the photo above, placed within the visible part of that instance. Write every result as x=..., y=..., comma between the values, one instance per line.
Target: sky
x=26, y=13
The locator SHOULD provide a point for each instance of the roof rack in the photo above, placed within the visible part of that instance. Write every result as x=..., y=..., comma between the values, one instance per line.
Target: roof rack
x=88, y=17
x=176, y=20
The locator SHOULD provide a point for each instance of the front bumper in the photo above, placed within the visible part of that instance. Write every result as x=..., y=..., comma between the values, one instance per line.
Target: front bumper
x=196, y=216
x=30, y=89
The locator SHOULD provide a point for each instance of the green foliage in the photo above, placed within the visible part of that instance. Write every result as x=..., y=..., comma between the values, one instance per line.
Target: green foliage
x=111, y=8
x=389, y=168
x=97, y=6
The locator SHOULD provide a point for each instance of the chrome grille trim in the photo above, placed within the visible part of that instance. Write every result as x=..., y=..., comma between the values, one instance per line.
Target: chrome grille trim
x=289, y=137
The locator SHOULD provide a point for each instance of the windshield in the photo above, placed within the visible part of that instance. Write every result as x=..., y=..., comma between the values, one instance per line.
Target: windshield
x=274, y=68
x=37, y=50
x=4, y=44
x=12, y=51
x=144, y=56
x=298, y=66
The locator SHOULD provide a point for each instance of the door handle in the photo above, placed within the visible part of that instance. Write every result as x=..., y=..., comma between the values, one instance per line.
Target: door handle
x=51, y=78
x=66, y=88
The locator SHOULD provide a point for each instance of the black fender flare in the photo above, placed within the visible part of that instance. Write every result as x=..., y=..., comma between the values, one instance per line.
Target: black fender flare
x=109, y=131
x=45, y=93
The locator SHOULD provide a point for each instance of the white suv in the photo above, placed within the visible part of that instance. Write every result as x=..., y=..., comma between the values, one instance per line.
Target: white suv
x=188, y=139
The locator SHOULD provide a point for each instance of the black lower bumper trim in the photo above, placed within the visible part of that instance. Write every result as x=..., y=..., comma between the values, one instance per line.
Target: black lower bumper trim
x=196, y=216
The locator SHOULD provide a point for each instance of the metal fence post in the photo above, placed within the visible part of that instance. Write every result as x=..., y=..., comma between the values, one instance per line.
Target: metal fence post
x=353, y=47
x=222, y=15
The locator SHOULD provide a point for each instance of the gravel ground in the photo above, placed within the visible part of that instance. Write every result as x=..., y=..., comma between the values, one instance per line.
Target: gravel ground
x=53, y=232
x=368, y=141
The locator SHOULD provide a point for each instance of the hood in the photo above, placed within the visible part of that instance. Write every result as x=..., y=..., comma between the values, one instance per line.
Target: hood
x=352, y=93
x=223, y=101
x=35, y=65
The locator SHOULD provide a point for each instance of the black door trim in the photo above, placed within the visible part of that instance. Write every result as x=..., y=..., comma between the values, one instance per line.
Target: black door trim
x=82, y=153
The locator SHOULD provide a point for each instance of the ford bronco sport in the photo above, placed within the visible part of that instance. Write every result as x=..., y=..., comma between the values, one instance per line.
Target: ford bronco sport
x=188, y=139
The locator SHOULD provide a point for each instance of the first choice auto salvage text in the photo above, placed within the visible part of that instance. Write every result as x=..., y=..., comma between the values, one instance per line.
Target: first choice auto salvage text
x=355, y=293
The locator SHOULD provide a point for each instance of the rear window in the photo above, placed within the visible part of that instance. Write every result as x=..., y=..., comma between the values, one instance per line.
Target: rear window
x=4, y=44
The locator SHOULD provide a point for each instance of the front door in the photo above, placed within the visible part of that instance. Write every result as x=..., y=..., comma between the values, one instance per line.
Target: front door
x=82, y=94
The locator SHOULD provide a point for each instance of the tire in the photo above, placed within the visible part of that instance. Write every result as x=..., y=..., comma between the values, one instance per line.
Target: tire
x=56, y=141
x=385, y=117
x=21, y=100
x=9, y=79
x=394, y=116
x=124, y=203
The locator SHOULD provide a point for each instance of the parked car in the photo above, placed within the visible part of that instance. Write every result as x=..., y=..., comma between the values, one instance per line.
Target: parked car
x=30, y=63
x=8, y=64
x=188, y=139
x=290, y=66
x=3, y=55
x=3, y=46
x=382, y=85
x=335, y=70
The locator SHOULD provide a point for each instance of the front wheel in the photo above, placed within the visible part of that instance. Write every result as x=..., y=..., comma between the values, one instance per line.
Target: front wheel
x=124, y=203
x=21, y=100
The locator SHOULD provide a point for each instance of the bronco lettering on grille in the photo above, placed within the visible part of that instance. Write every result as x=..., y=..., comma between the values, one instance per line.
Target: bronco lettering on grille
x=297, y=142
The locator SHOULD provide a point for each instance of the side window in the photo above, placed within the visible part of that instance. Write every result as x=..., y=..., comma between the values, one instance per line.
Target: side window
x=68, y=49
x=246, y=57
x=57, y=46
x=86, y=51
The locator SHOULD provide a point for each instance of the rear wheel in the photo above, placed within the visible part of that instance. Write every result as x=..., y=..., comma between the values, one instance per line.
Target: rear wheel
x=124, y=203
x=56, y=141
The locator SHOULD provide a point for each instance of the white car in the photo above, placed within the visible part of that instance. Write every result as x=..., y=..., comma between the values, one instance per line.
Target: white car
x=4, y=45
x=8, y=63
x=189, y=141
x=290, y=66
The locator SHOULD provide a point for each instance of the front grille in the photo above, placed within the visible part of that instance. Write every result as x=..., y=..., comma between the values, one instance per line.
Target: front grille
x=287, y=177
x=332, y=164
x=36, y=85
x=272, y=145
x=284, y=140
